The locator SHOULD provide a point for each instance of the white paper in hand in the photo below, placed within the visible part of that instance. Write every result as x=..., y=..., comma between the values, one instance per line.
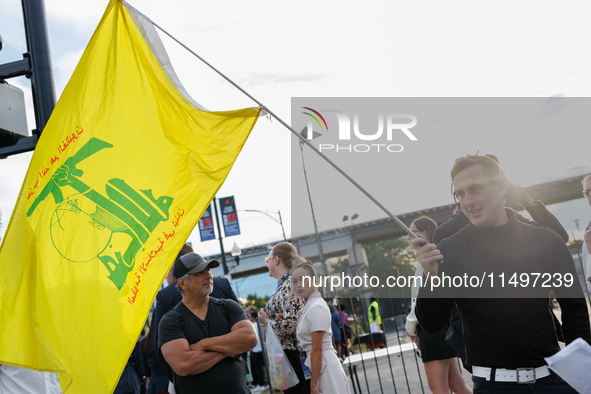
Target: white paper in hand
x=573, y=364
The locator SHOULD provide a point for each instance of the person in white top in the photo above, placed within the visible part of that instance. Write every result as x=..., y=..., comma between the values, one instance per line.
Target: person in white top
x=315, y=336
x=16, y=380
x=439, y=359
x=257, y=361
x=587, y=238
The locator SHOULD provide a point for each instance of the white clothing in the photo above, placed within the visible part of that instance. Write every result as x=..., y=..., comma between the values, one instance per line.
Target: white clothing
x=258, y=348
x=412, y=323
x=16, y=380
x=586, y=265
x=316, y=317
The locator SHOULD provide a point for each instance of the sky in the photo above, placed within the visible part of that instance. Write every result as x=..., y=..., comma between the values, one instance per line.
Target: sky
x=277, y=50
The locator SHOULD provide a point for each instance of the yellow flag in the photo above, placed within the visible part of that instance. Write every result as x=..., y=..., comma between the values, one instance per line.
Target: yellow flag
x=125, y=168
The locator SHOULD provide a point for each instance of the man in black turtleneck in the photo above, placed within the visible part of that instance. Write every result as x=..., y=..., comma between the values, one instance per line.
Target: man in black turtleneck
x=506, y=338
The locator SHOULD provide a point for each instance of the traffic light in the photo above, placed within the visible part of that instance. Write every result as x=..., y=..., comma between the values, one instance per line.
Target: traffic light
x=36, y=65
x=13, y=118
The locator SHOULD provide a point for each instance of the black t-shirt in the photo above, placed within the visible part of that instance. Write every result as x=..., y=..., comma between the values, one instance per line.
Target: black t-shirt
x=227, y=376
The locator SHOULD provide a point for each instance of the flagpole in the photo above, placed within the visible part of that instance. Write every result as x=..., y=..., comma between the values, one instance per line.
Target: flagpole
x=302, y=139
x=217, y=220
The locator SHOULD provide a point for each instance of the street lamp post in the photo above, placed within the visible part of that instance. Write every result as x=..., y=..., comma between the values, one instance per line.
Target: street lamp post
x=266, y=213
x=345, y=218
x=318, y=243
x=236, y=252
x=217, y=219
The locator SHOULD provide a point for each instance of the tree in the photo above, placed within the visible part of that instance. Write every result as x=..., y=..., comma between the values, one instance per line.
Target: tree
x=255, y=301
x=340, y=266
x=390, y=258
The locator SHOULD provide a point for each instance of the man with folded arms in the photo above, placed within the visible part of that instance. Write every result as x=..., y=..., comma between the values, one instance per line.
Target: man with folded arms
x=202, y=336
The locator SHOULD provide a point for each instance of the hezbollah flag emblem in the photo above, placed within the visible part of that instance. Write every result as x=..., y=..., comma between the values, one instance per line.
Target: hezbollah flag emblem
x=125, y=167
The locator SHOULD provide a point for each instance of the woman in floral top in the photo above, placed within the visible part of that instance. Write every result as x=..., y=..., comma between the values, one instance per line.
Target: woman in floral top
x=284, y=309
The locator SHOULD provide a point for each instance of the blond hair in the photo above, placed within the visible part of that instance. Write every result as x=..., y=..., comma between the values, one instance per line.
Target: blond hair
x=287, y=253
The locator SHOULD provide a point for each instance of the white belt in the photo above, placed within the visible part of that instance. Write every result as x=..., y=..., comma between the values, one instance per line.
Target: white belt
x=519, y=375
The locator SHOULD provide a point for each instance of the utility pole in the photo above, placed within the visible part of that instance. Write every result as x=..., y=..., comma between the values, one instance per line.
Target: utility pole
x=217, y=220
x=577, y=225
x=316, y=235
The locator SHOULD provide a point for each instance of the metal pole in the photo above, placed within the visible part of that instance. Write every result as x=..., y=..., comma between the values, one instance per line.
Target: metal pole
x=42, y=82
x=281, y=222
x=406, y=304
x=318, y=243
x=373, y=344
x=358, y=341
x=352, y=247
x=400, y=344
x=262, y=339
x=388, y=350
x=217, y=220
x=266, y=213
x=302, y=139
x=585, y=287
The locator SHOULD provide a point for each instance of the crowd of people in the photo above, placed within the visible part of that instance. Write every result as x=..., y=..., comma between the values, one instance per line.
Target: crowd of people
x=201, y=340
x=209, y=344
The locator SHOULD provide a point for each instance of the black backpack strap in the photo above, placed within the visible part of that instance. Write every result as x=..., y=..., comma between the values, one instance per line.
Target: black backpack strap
x=167, y=369
x=177, y=313
x=222, y=302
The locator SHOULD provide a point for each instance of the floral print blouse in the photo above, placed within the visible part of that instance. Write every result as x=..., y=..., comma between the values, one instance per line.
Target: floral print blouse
x=285, y=301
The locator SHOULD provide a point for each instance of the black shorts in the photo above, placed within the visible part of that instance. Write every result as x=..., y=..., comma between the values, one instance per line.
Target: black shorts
x=434, y=347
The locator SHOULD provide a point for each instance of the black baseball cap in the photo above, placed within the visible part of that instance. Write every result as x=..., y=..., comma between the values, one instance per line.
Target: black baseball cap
x=191, y=263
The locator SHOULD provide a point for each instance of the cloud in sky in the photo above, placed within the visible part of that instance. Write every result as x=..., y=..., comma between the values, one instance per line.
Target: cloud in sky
x=261, y=78
x=323, y=49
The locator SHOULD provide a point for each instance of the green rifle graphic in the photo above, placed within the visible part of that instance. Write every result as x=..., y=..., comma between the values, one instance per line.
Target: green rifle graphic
x=125, y=211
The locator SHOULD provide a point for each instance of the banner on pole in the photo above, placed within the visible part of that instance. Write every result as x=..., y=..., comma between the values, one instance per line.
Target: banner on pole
x=206, y=231
x=229, y=216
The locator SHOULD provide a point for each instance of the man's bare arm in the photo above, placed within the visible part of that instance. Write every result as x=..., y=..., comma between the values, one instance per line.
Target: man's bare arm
x=241, y=339
x=186, y=360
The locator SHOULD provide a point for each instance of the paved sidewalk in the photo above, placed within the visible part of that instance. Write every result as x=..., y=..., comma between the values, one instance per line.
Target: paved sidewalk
x=401, y=373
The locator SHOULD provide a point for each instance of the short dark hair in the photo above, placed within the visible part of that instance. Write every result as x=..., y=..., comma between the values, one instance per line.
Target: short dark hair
x=489, y=163
x=187, y=248
x=425, y=223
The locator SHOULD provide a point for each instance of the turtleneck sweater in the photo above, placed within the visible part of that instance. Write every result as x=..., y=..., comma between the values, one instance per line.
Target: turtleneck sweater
x=499, y=331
